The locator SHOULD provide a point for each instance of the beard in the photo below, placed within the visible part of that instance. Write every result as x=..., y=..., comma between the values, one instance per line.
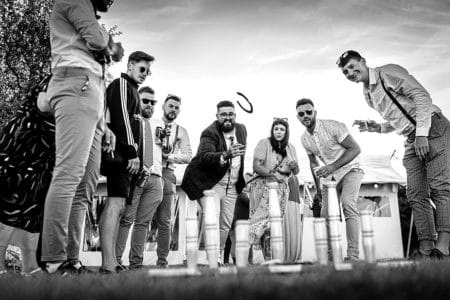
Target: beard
x=170, y=116
x=227, y=126
x=311, y=123
x=147, y=113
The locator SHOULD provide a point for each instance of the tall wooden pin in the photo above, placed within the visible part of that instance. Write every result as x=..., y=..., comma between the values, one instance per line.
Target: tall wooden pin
x=211, y=228
x=334, y=222
x=320, y=235
x=368, y=236
x=276, y=230
x=191, y=235
x=242, y=230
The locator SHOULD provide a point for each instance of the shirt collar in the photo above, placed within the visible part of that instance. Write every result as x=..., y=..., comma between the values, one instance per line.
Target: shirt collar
x=372, y=76
x=317, y=127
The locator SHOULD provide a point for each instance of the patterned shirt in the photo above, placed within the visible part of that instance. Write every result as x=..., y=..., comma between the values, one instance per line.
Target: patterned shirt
x=408, y=92
x=325, y=143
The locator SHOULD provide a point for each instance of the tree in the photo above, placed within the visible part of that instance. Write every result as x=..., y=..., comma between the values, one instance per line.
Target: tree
x=25, y=50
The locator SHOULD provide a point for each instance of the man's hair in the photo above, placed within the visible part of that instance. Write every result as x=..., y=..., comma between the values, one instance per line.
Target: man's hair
x=138, y=56
x=146, y=89
x=225, y=103
x=347, y=56
x=172, y=97
x=304, y=101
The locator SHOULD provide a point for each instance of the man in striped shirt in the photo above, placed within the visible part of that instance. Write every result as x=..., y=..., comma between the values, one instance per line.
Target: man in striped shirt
x=407, y=107
x=123, y=105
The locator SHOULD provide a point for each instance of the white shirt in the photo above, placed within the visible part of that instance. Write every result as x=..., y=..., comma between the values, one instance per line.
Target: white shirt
x=156, y=168
x=233, y=174
x=410, y=94
x=181, y=147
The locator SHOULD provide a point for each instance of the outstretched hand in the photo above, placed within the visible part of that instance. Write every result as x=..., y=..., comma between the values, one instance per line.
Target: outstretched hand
x=367, y=126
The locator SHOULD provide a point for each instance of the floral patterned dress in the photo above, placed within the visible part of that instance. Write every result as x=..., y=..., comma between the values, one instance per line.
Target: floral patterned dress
x=259, y=190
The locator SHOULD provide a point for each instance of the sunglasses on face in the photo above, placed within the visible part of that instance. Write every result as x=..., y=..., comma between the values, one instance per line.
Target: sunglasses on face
x=307, y=112
x=144, y=70
x=147, y=101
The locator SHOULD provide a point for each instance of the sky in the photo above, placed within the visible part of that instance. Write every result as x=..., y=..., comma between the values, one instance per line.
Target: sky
x=276, y=52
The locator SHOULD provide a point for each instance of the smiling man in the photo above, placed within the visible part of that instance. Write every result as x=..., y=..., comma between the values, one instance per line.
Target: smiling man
x=407, y=108
x=219, y=165
x=330, y=141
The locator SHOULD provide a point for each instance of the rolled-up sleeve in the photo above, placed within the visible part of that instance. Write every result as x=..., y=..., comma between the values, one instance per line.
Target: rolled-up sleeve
x=184, y=156
x=404, y=83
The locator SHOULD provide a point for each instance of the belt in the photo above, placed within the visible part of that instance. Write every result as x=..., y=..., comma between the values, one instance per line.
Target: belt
x=74, y=71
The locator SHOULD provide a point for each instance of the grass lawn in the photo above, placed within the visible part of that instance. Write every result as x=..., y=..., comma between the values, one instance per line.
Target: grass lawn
x=423, y=281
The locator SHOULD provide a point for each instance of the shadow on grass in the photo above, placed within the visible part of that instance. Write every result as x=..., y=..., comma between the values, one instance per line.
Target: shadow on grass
x=424, y=281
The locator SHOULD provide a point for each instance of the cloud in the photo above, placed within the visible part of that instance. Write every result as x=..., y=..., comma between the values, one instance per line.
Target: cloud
x=279, y=50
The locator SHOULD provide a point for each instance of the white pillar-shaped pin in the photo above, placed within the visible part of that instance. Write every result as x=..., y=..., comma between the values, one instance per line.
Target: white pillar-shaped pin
x=211, y=228
x=320, y=235
x=192, y=235
x=276, y=229
x=334, y=222
x=368, y=236
x=242, y=231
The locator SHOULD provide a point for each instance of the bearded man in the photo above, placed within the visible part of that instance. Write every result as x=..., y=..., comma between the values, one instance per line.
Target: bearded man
x=219, y=165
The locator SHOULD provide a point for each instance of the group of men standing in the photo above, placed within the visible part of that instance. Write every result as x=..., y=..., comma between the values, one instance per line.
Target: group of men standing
x=142, y=184
x=137, y=155
x=144, y=180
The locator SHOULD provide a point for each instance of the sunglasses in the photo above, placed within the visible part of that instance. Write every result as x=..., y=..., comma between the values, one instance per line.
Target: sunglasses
x=147, y=101
x=144, y=70
x=280, y=119
x=307, y=112
x=343, y=56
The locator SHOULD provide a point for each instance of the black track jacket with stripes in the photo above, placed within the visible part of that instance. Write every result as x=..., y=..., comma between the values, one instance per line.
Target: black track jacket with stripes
x=122, y=101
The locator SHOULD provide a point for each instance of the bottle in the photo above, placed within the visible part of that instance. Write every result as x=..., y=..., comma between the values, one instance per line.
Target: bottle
x=166, y=140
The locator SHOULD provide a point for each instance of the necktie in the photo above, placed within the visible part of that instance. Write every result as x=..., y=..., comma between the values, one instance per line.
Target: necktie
x=148, y=145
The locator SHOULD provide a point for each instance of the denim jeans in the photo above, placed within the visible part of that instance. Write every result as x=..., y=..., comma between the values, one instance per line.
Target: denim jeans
x=78, y=110
x=163, y=215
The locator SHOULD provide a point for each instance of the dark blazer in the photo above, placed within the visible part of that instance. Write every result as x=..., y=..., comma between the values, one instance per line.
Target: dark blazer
x=205, y=171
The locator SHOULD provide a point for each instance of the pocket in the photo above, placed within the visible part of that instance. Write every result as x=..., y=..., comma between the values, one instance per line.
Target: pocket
x=81, y=85
x=438, y=127
x=436, y=147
